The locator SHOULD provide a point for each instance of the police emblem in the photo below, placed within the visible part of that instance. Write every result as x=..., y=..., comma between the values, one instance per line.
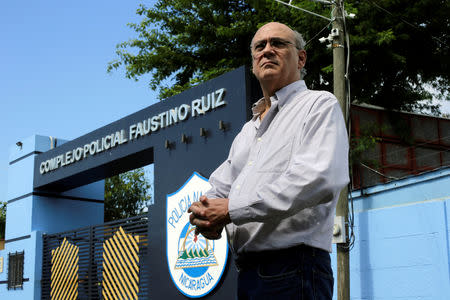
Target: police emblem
x=195, y=263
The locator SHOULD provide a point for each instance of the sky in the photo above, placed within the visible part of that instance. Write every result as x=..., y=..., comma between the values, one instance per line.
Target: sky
x=53, y=79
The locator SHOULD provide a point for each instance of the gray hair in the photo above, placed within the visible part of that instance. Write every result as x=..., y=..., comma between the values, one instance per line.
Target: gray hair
x=299, y=41
x=300, y=45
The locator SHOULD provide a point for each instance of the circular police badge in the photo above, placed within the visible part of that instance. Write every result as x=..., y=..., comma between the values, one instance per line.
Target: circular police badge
x=195, y=263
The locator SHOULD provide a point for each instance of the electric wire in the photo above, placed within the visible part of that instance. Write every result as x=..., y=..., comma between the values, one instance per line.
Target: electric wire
x=377, y=172
x=347, y=70
x=348, y=246
x=302, y=9
x=391, y=178
x=442, y=43
x=351, y=213
x=319, y=1
x=340, y=5
x=351, y=222
x=434, y=168
x=429, y=168
x=432, y=142
x=410, y=159
x=311, y=39
x=386, y=154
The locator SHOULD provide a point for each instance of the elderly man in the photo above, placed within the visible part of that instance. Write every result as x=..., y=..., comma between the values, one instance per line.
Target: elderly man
x=277, y=191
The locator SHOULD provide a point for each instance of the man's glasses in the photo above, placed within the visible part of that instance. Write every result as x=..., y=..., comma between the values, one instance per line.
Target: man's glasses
x=275, y=43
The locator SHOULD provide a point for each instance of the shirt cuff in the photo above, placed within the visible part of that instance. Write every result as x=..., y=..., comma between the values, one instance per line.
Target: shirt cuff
x=239, y=210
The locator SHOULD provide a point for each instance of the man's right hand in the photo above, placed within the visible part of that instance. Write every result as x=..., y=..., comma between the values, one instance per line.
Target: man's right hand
x=210, y=235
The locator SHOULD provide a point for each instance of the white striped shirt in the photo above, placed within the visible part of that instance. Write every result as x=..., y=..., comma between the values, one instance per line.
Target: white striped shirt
x=283, y=175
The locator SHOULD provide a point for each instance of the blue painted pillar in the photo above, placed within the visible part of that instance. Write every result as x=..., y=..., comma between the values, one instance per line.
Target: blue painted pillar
x=31, y=213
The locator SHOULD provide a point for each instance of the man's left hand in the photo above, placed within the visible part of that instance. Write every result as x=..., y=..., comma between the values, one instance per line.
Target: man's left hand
x=209, y=215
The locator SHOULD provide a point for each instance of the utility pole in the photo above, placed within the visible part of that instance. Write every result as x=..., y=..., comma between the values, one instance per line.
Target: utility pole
x=343, y=265
x=339, y=69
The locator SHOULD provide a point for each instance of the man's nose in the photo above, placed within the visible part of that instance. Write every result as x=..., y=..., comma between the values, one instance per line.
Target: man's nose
x=268, y=50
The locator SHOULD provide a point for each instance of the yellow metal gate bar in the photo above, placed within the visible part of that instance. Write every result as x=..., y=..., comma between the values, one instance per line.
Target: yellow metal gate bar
x=121, y=266
x=64, y=272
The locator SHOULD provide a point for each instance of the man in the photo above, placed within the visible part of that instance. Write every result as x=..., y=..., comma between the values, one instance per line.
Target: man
x=277, y=191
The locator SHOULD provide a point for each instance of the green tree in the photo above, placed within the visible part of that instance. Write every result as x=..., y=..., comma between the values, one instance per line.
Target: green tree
x=126, y=194
x=397, y=47
x=2, y=219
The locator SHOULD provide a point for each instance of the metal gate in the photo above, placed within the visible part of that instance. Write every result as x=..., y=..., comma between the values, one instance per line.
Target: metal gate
x=97, y=262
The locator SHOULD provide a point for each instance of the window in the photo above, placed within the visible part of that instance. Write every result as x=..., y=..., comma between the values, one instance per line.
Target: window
x=15, y=270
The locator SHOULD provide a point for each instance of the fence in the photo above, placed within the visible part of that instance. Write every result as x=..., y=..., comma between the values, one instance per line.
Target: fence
x=98, y=262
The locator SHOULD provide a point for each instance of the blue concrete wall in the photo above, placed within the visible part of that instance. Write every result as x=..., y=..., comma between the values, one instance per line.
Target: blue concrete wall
x=402, y=240
x=31, y=213
x=32, y=259
x=428, y=186
x=51, y=214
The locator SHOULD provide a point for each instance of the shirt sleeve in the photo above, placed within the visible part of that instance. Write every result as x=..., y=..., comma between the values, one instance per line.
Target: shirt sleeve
x=317, y=172
x=222, y=178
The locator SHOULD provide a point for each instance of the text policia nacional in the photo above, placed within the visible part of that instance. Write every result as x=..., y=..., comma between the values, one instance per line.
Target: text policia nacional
x=152, y=124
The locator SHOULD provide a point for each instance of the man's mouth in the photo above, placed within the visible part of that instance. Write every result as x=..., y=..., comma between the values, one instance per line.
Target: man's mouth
x=268, y=63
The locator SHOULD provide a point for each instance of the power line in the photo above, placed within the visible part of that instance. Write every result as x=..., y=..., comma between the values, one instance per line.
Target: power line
x=347, y=75
x=378, y=156
x=416, y=158
x=377, y=172
x=351, y=212
x=325, y=27
x=409, y=160
x=351, y=221
x=432, y=168
x=408, y=23
x=302, y=9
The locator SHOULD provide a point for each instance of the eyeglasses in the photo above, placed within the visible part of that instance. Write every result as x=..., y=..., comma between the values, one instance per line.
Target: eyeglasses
x=275, y=43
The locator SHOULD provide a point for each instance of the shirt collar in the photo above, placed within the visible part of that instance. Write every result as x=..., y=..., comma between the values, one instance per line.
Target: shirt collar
x=287, y=93
x=259, y=106
x=283, y=96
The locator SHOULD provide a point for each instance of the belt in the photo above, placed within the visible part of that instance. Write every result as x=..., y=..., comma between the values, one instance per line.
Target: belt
x=250, y=260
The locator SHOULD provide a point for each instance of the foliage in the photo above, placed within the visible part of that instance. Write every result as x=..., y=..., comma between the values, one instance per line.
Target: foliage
x=126, y=194
x=396, y=46
x=2, y=219
x=366, y=140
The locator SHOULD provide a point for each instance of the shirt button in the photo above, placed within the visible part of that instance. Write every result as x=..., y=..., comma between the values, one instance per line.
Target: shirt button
x=259, y=139
x=250, y=163
x=238, y=187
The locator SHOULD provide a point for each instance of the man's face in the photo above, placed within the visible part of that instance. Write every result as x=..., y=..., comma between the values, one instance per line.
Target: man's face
x=276, y=60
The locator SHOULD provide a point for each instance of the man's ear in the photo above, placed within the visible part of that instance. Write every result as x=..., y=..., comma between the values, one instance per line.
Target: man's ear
x=301, y=59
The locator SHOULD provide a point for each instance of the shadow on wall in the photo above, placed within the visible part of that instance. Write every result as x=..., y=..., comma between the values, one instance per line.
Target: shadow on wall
x=366, y=278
